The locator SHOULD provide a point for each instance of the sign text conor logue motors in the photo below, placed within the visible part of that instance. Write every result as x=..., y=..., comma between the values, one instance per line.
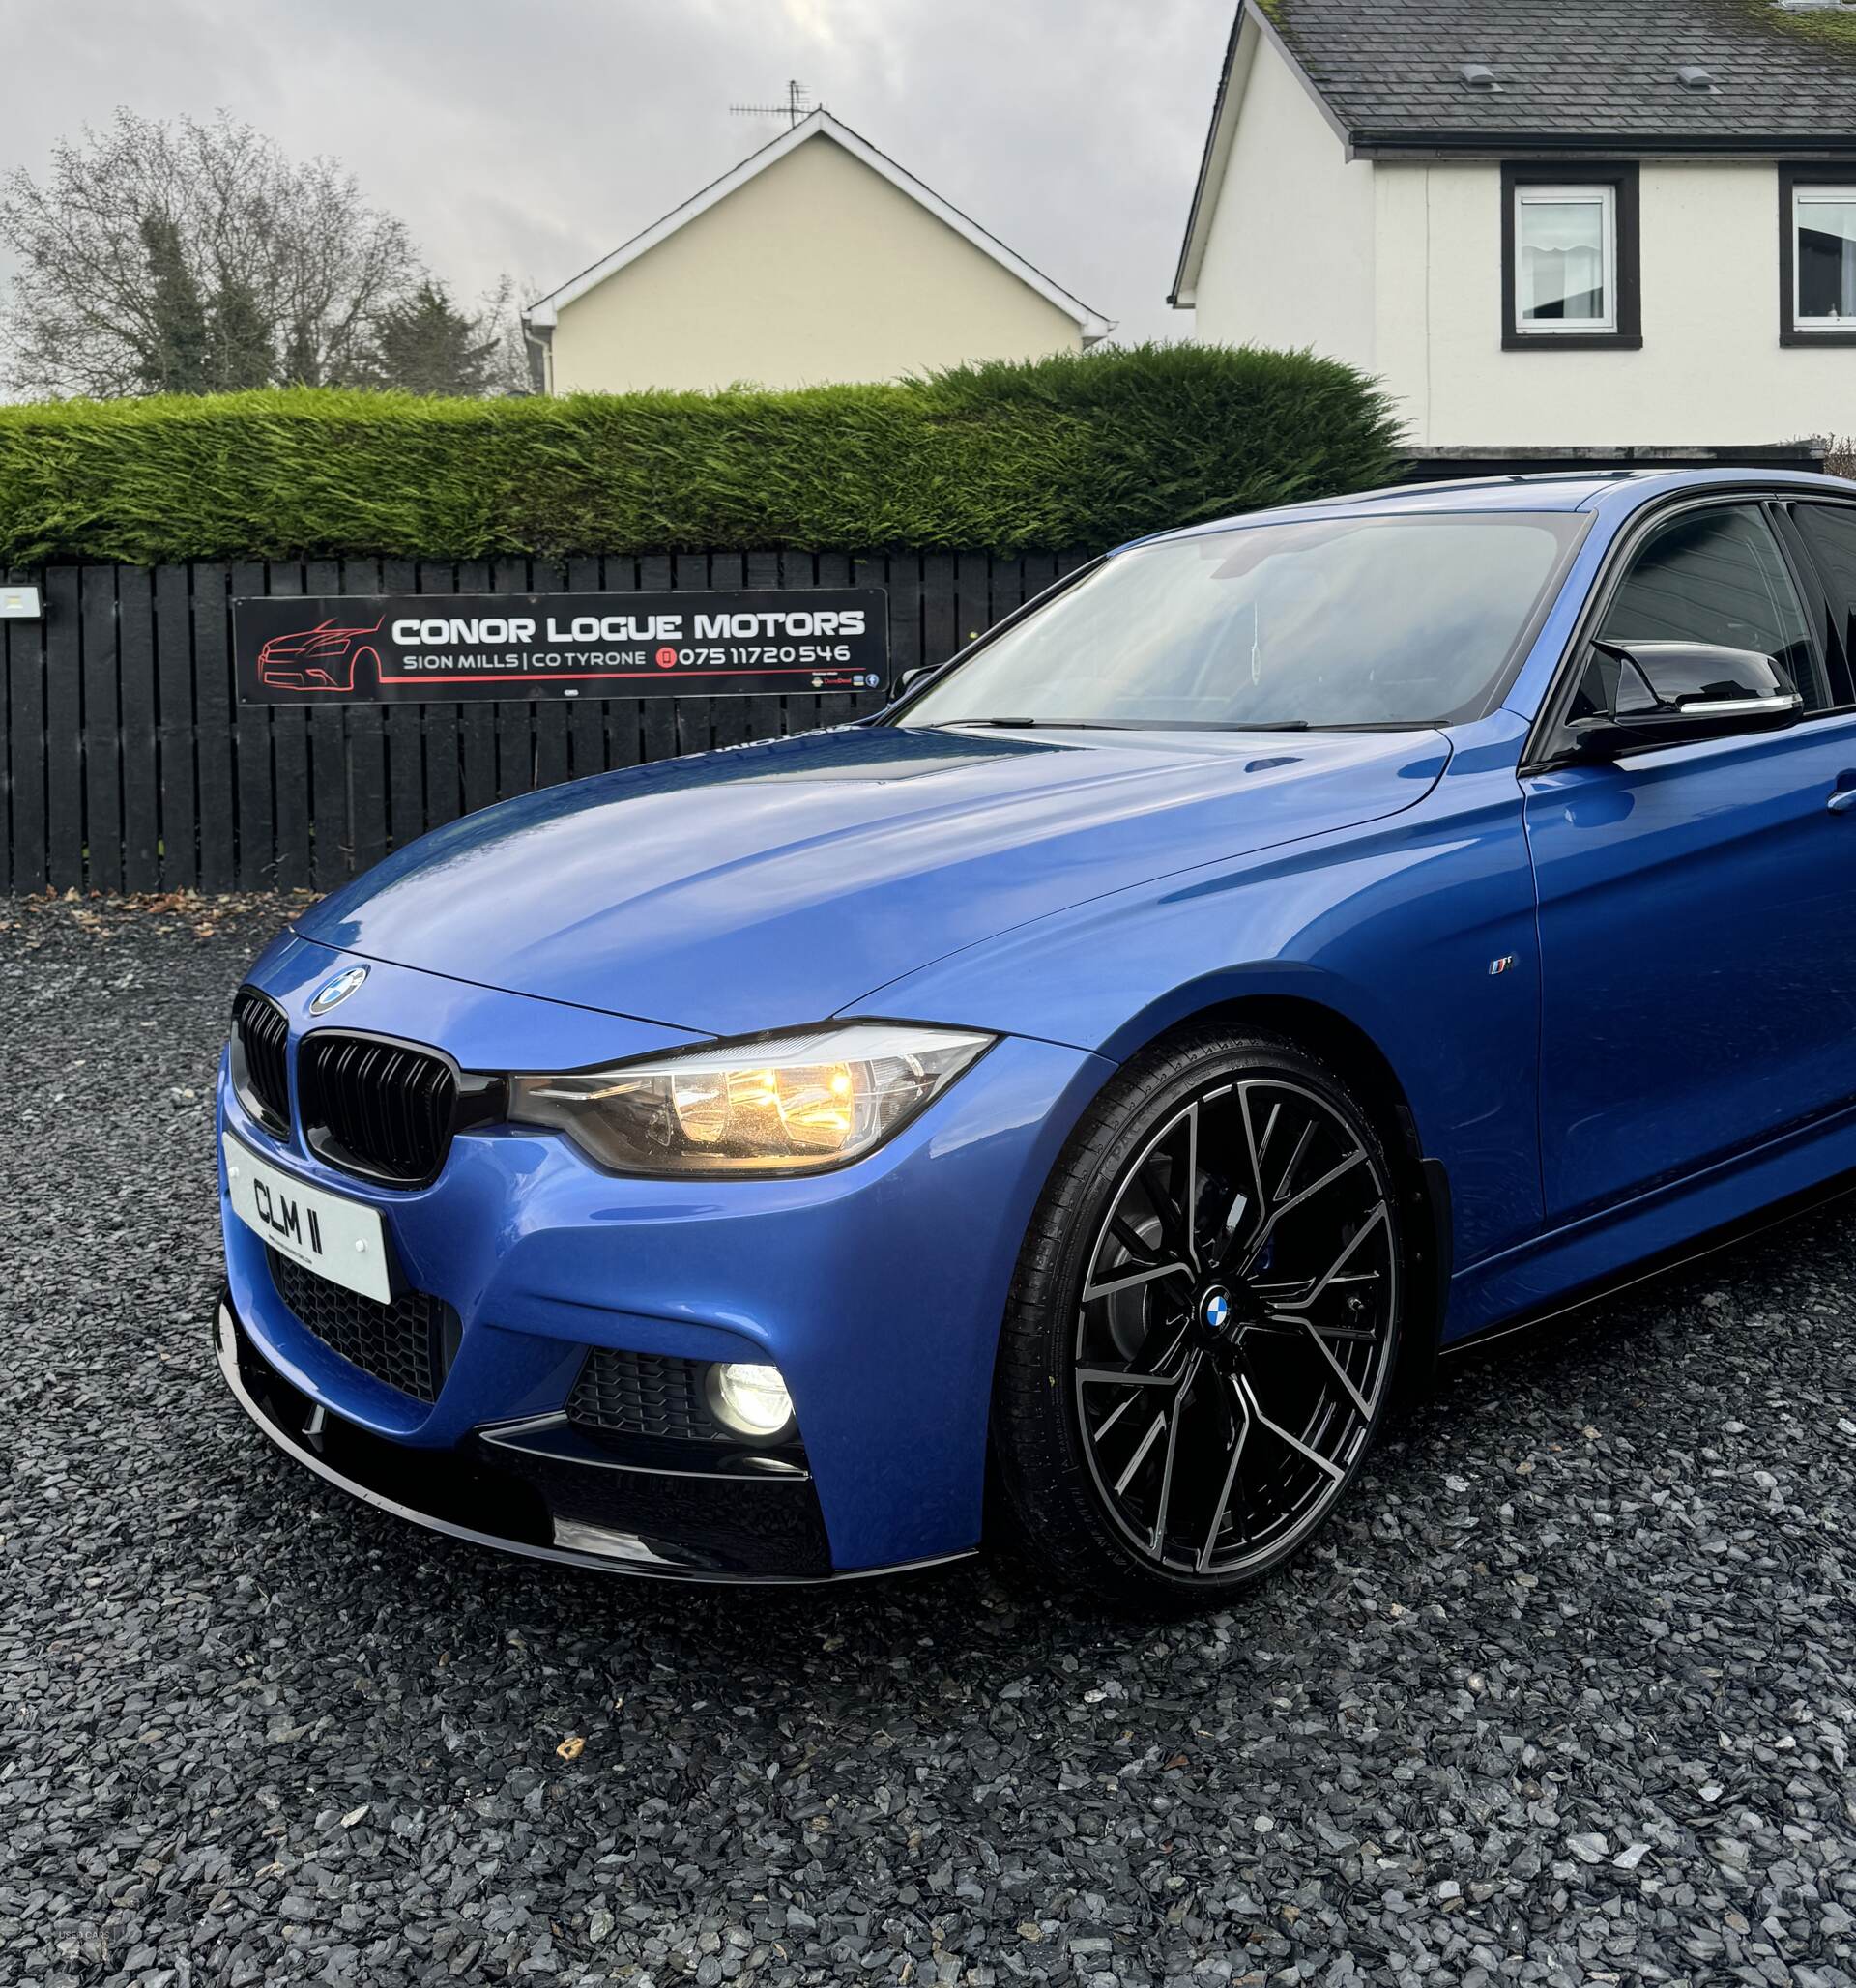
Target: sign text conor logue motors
x=439, y=647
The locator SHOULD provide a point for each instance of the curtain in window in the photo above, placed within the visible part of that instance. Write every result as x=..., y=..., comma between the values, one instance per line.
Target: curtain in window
x=1827, y=258
x=1560, y=253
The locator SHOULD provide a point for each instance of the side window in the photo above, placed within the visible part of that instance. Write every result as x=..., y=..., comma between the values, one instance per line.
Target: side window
x=1713, y=576
x=1829, y=532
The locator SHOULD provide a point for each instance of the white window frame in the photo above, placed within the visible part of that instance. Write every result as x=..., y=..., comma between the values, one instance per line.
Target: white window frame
x=1603, y=195
x=1815, y=195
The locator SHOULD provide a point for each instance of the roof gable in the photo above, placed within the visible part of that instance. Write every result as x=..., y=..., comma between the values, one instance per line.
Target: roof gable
x=820, y=126
x=1252, y=40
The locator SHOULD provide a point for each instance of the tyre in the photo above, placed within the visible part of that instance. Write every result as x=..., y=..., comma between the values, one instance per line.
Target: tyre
x=1204, y=1325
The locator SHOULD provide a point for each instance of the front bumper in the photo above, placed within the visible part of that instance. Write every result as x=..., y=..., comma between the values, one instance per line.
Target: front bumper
x=877, y=1290
x=535, y=1489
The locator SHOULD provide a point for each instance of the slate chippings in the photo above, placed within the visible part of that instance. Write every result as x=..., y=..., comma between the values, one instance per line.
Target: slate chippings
x=1565, y=1695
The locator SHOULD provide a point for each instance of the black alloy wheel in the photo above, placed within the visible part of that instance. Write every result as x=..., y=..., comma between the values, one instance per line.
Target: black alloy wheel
x=1204, y=1324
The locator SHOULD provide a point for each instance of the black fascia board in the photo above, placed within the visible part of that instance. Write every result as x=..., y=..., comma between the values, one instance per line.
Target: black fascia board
x=1386, y=144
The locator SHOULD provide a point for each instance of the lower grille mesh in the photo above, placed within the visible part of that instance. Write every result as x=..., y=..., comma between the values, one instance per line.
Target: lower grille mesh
x=403, y=1343
x=642, y=1394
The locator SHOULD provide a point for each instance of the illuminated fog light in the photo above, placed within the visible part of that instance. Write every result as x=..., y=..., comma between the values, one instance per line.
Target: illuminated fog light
x=749, y=1398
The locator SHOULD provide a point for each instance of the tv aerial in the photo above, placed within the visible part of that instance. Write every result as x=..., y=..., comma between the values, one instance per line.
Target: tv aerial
x=796, y=107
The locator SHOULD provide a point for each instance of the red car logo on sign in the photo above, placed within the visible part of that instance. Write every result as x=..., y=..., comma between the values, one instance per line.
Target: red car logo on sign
x=324, y=657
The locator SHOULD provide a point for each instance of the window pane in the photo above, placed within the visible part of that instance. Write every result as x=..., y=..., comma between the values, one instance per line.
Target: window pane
x=1561, y=260
x=1715, y=576
x=1829, y=532
x=1335, y=621
x=1827, y=258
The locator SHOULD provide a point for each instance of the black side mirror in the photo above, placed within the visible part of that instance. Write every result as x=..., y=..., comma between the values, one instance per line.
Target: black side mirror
x=1664, y=693
x=914, y=676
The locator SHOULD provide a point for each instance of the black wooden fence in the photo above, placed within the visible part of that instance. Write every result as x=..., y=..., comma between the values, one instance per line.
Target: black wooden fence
x=128, y=764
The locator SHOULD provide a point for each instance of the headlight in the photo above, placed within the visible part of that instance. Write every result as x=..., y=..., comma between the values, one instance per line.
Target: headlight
x=786, y=1104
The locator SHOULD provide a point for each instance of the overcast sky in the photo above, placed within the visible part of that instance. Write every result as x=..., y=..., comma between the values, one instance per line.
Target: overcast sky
x=533, y=136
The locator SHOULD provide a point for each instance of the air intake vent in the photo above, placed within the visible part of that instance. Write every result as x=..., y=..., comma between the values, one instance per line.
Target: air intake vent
x=1478, y=75
x=383, y=1110
x=641, y=1395
x=260, y=1073
x=1692, y=76
x=407, y=1343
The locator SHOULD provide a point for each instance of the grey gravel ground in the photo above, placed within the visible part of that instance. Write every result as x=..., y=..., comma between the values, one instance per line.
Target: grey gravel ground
x=1566, y=1696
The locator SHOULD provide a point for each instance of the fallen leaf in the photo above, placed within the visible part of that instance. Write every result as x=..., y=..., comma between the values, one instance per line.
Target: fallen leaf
x=571, y=1747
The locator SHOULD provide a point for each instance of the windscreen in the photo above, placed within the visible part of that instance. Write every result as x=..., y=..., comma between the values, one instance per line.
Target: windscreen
x=1332, y=621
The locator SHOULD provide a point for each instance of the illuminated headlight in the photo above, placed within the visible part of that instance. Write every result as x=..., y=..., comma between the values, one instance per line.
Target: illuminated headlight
x=749, y=1398
x=785, y=1104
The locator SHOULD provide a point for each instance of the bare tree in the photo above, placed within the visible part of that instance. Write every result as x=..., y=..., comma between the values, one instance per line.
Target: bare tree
x=189, y=257
x=500, y=308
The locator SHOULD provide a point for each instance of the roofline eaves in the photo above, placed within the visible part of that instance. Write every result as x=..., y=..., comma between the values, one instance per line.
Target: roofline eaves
x=1367, y=143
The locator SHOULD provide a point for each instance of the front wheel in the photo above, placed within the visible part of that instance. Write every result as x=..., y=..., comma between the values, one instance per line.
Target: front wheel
x=1204, y=1325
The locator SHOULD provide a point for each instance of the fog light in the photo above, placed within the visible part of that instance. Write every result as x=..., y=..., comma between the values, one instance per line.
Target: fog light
x=749, y=1398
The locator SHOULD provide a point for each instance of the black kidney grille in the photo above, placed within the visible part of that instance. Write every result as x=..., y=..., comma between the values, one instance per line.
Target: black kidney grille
x=404, y=1343
x=382, y=1109
x=641, y=1395
x=260, y=1069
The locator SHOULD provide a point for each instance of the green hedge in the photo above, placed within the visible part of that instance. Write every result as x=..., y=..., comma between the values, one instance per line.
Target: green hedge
x=1062, y=453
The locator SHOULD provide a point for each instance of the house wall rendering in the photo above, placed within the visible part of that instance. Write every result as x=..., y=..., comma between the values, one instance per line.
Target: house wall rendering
x=814, y=272
x=1395, y=264
x=1276, y=269
x=1711, y=364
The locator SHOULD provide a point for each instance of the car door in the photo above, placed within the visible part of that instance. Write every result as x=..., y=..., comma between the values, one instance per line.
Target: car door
x=1698, y=902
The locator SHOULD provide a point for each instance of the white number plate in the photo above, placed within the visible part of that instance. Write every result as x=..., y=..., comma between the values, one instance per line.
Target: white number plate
x=337, y=1238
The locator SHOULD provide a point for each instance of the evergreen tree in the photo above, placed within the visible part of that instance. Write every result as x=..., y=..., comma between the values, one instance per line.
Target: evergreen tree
x=239, y=350
x=427, y=345
x=302, y=363
x=173, y=359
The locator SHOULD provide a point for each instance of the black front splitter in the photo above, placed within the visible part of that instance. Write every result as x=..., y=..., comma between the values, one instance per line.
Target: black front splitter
x=528, y=1492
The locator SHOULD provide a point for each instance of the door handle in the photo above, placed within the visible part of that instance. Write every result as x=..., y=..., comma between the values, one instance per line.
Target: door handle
x=1843, y=800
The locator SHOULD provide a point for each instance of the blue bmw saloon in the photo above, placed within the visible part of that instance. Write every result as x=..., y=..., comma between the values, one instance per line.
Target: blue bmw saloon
x=1289, y=949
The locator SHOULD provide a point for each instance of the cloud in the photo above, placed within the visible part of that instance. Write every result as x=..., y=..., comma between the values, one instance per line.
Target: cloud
x=534, y=135
x=811, y=18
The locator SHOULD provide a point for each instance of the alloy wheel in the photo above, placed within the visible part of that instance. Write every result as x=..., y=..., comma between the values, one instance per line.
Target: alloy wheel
x=1237, y=1325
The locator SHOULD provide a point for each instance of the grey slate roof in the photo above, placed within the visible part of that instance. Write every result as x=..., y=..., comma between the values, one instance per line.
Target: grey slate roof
x=1581, y=71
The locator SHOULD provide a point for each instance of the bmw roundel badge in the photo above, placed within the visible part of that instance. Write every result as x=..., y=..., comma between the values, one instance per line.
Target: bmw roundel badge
x=332, y=992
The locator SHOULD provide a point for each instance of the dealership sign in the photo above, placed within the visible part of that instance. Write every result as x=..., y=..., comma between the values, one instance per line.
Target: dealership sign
x=420, y=647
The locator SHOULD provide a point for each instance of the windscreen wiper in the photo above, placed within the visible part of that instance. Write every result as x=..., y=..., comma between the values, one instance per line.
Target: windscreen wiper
x=1029, y=725
x=1124, y=725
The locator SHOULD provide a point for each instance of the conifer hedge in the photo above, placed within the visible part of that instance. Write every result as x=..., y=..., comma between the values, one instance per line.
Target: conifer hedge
x=1064, y=453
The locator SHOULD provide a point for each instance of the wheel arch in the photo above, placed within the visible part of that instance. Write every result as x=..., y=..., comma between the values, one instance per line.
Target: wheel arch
x=1299, y=1013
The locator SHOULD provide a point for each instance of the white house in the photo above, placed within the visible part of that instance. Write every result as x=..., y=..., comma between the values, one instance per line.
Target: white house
x=816, y=260
x=1595, y=223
